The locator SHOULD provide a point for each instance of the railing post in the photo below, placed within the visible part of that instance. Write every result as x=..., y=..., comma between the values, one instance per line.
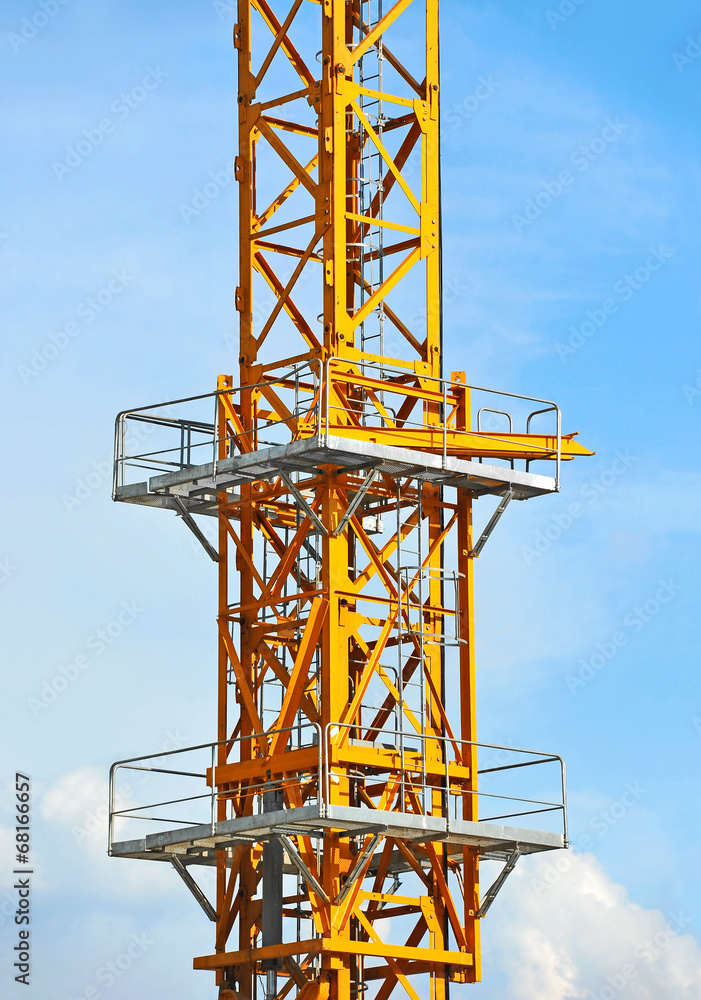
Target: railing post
x=447, y=785
x=215, y=437
x=559, y=449
x=321, y=794
x=214, y=792
x=110, y=826
x=445, y=421
x=116, y=457
x=565, y=829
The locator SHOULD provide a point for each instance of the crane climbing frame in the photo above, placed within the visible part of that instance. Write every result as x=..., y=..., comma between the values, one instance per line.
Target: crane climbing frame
x=342, y=469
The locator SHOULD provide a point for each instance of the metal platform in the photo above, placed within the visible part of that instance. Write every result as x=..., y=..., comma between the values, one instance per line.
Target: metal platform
x=196, y=486
x=196, y=844
x=172, y=780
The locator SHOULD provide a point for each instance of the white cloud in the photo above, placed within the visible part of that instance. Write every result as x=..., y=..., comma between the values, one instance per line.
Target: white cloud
x=74, y=796
x=76, y=806
x=567, y=931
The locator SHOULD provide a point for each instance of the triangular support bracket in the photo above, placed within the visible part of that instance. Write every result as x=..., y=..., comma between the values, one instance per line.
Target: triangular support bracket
x=492, y=523
x=195, y=529
x=193, y=887
x=297, y=860
x=493, y=891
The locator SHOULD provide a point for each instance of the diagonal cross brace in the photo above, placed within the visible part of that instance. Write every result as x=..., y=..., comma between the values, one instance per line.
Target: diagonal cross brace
x=358, y=867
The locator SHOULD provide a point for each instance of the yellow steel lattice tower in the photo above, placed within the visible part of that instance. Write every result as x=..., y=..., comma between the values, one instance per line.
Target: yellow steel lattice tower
x=342, y=470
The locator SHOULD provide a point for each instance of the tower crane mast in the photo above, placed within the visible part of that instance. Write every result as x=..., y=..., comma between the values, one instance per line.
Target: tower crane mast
x=342, y=465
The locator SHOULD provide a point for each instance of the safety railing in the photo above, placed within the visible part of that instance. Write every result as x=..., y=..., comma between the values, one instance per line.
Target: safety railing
x=337, y=398
x=385, y=398
x=420, y=774
x=150, y=439
x=142, y=818
x=421, y=765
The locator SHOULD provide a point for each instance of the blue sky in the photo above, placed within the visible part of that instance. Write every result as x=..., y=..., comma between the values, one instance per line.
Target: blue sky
x=583, y=116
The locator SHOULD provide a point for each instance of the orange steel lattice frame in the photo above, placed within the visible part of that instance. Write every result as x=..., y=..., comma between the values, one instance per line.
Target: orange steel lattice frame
x=346, y=645
x=321, y=636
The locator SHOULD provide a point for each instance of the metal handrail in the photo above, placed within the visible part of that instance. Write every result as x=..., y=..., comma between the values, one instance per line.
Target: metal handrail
x=544, y=759
x=128, y=764
x=548, y=409
x=324, y=773
x=318, y=411
x=141, y=414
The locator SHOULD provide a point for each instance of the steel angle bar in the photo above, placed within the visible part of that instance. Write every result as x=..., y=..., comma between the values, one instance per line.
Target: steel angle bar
x=313, y=517
x=195, y=529
x=298, y=862
x=356, y=502
x=193, y=887
x=363, y=857
x=498, y=882
x=493, y=521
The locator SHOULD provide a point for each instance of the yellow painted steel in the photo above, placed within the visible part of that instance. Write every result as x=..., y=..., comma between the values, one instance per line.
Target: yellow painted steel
x=318, y=630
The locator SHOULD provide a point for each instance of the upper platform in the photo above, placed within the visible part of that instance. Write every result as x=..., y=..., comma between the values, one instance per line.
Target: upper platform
x=355, y=418
x=199, y=484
